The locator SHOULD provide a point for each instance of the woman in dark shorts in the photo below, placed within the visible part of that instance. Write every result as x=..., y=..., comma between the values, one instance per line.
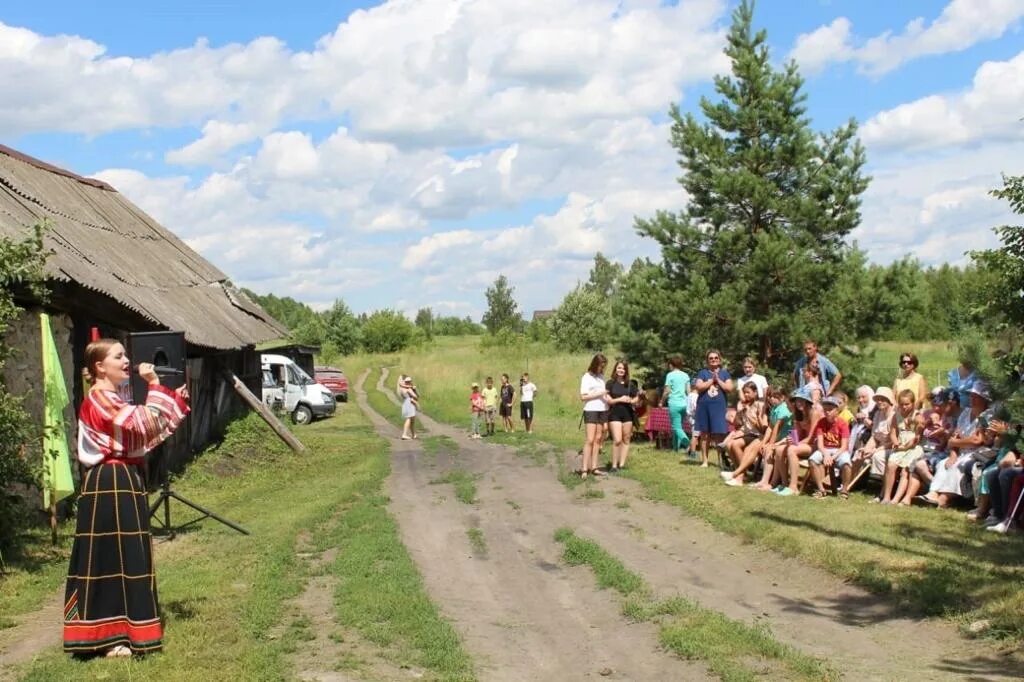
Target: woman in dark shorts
x=622, y=398
x=595, y=413
x=507, y=395
x=713, y=383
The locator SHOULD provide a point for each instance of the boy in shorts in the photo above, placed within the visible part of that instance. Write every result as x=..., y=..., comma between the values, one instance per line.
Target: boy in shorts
x=490, y=394
x=831, y=439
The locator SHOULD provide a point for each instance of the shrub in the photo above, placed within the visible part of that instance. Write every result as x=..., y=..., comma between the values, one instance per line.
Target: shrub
x=21, y=270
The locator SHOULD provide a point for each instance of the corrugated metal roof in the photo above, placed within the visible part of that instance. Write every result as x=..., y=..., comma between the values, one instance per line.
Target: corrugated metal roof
x=104, y=242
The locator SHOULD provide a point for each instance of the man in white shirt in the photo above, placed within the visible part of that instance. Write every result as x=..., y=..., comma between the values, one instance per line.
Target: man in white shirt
x=527, y=389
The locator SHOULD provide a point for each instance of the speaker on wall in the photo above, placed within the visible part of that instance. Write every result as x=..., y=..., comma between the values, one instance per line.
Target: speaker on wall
x=166, y=351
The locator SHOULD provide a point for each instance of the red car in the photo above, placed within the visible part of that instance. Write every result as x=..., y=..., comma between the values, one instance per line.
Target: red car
x=334, y=379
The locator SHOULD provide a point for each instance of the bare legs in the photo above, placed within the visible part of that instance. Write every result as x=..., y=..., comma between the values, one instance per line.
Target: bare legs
x=705, y=440
x=591, y=448
x=622, y=434
x=746, y=456
x=794, y=453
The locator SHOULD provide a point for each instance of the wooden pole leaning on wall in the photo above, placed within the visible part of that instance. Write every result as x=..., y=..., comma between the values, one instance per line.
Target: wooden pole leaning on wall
x=272, y=421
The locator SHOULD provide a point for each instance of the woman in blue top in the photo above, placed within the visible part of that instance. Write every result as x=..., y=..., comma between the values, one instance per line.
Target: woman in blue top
x=712, y=384
x=677, y=386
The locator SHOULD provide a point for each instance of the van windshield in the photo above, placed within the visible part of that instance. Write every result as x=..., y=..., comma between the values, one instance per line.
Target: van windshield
x=298, y=376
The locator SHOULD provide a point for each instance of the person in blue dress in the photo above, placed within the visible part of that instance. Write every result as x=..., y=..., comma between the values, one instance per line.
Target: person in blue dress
x=677, y=387
x=713, y=383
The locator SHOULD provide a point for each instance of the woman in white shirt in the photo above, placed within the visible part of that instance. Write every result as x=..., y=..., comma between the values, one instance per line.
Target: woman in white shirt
x=595, y=413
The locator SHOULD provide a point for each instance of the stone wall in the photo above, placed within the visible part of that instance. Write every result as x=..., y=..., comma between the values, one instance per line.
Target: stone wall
x=23, y=377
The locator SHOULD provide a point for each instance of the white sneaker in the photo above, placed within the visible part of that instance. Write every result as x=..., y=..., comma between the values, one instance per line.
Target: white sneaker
x=992, y=520
x=726, y=475
x=1000, y=527
x=733, y=482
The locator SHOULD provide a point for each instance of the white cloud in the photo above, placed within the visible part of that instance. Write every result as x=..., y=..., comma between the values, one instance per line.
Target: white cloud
x=420, y=254
x=823, y=46
x=937, y=207
x=962, y=24
x=989, y=110
x=218, y=137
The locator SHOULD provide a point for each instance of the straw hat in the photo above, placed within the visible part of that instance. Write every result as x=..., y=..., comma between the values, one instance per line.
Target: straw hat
x=885, y=392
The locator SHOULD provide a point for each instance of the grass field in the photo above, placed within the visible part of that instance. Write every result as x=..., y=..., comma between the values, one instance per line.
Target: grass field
x=225, y=596
x=930, y=562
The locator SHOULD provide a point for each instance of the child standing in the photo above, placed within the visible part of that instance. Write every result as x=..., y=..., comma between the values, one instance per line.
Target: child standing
x=527, y=389
x=508, y=395
x=476, y=406
x=490, y=394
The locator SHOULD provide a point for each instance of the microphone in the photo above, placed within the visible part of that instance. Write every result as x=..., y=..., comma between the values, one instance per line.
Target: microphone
x=165, y=371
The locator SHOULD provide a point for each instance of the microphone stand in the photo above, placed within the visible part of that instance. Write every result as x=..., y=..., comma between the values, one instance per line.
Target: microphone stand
x=165, y=494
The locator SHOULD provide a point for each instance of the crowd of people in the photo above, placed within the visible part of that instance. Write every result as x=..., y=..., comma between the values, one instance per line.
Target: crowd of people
x=952, y=446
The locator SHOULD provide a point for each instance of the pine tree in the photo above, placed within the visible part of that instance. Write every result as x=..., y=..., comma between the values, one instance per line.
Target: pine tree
x=749, y=265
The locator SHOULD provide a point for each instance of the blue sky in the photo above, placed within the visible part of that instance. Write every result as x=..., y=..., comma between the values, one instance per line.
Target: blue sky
x=406, y=155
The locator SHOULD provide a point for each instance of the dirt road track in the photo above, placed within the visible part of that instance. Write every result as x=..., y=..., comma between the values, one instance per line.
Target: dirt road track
x=524, y=615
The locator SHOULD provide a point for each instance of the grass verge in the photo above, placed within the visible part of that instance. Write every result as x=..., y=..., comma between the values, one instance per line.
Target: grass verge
x=224, y=594
x=934, y=563
x=463, y=482
x=733, y=650
x=477, y=542
x=379, y=401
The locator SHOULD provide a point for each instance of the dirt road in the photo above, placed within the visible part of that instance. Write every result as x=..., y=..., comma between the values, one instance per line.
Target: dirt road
x=525, y=615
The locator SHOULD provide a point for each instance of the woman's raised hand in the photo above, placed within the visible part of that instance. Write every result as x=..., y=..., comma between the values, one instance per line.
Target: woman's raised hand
x=183, y=392
x=148, y=373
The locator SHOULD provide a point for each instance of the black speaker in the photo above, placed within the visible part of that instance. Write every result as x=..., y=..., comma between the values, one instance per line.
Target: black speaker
x=165, y=350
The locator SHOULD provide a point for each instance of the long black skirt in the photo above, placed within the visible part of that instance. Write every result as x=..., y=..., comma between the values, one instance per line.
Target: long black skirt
x=110, y=597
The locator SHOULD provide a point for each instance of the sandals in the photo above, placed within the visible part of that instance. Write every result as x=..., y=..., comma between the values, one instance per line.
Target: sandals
x=818, y=495
x=844, y=495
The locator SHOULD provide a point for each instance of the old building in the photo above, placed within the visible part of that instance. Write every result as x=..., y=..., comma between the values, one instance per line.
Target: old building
x=114, y=268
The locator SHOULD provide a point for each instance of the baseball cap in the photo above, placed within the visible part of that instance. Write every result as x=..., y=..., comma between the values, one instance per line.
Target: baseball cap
x=830, y=400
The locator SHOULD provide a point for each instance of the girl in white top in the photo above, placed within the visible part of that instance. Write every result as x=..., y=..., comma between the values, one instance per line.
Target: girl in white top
x=595, y=413
x=749, y=369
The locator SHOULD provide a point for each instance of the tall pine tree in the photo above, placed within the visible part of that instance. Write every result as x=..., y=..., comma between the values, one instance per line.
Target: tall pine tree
x=752, y=261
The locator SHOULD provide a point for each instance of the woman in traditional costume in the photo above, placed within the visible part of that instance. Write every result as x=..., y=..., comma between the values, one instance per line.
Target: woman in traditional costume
x=110, y=603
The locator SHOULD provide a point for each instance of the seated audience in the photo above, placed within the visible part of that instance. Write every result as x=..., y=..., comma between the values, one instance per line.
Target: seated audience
x=776, y=439
x=806, y=414
x=751, y=423
x=831, y=454
x=952, y=479
x=876, y=450
x=860, y=429
x=906, y=450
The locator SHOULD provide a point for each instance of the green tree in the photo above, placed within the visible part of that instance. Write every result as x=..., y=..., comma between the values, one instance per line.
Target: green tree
x=387, y=331
x=425, y=321
x=450, y=325
x=286, y=310
x=582, y=321
x=502, y=311
x=604, y=276
x=342, y=329
x=1003, y=304
x=753, y=260
x=312, y=332
x=21, y=275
